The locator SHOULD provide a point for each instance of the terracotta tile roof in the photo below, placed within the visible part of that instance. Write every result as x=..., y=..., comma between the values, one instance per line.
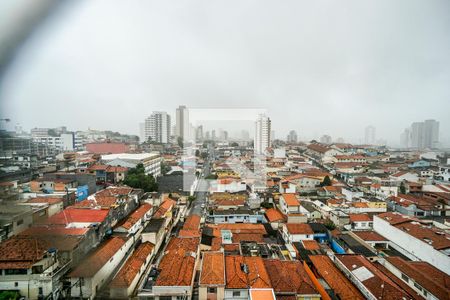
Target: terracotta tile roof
x=311, y=245
x=413, y=294
x=430, y=278
x=274, y=215
x=237, y=228
x=394, y=218
x=360, y=204
x=102, y=201
x=94, y=262
x=370, y=236
x=236, y=276
x=435, y=237
x=342, y=287
x=289, y=277
x=291, y=199
x=136, y=216
x=318, y=148
x=115, y=191
x=21, y=252
x=299, y=228
x=378, y=283
x=360, y=218
x=75, y=215
x=192, y=222
x=132, y=266
x=213, y=269
x=97, y=167
x=53, y=231
x=165, y=206
x=248, y=237
x=177, y=264
x=49, y=200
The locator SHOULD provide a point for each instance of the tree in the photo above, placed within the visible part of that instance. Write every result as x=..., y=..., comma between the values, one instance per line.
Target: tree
x=197, y=153
x=136, y=178
x=180, y=141
x=329, y=224
x=234, y=144
x=402, y=188
x=326, y=181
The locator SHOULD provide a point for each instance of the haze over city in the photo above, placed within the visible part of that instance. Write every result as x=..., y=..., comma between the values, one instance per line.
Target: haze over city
x=318, y=69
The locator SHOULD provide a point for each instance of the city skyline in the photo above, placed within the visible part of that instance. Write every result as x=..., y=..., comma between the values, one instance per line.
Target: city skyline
x=335, y=80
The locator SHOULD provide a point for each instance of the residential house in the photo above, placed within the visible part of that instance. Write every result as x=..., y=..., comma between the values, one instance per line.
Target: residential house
x=133, y=224
x=212, y=276
x=415, y=240
x=324, y=268
x=126, y=280
x=360, y=222
x=423, y=278
x=373, y=283
x=296, y=232
x=243, y=273
x=94, y=272
x=30, y=266
x=289, y=203
x=176, y=270
x=290, y=279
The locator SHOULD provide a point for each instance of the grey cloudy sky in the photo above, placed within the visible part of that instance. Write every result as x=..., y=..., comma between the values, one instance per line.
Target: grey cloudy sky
x=318, y=67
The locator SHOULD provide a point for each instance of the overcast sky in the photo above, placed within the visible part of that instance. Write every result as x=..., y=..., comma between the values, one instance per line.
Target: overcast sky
x=319, y=67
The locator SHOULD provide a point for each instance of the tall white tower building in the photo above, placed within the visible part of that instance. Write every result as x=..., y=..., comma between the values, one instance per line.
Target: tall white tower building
x=157, y=127
x=369, y=136
x=262, y=134
x=182, y=122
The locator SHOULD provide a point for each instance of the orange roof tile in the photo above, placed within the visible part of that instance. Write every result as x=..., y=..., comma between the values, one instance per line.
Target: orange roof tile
x=49, y=200
x=370, y=236
x=299, y=228
x=165, y=206
x=360, y=218
x=213, y=269
x=379, y=284
x=255, y=277
x=289, y=277
x=311, y=245
x=291, y=199
x=21, y=252
x=274, y=215
x=94, y=262
x=342, y=287
x=136, y=216
x=178, y=262
x=132, y=266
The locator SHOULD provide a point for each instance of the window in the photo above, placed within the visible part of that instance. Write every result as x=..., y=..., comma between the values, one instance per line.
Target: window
x=236, y=294
x=41, y=291
x=19, y=222
x=405, y=278
x=212, y=290
x=15, y=271
x=417, y=286
x=112, y=258
x=16, y=284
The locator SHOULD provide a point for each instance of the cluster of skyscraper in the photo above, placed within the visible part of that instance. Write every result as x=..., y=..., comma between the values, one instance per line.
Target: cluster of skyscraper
x=421, y=135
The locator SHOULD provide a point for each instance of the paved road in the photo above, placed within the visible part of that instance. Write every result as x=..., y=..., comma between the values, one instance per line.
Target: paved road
x=203, y=185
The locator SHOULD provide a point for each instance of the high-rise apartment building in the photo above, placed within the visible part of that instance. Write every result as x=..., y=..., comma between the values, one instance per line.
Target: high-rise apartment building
x=421, y=135
x=369, y=135
x=262, y=134
x=157, y=127
x=292, y=137
x=182, y=122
